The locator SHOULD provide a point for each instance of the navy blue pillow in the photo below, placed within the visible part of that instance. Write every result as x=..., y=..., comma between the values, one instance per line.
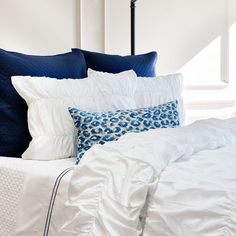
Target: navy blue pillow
x=14, y=133
x=144, y=65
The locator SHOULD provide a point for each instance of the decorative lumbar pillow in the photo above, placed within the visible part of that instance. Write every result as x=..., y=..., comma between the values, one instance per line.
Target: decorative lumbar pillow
x=99, y=128
x=152, y=92
x=14, y=133
x=143, y=65
x=51, y=126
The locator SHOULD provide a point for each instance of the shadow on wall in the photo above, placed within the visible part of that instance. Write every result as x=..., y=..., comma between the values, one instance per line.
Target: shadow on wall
x=180, y=30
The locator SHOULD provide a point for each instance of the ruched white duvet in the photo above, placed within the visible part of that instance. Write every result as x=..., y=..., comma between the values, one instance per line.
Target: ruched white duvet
x=169, y=182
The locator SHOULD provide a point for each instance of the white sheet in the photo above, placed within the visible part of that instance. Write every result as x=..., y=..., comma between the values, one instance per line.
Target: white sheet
x=25, y=192
x=114, y=182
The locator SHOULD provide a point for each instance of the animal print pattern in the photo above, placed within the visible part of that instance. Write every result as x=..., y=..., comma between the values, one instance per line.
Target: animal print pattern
x=99, y=128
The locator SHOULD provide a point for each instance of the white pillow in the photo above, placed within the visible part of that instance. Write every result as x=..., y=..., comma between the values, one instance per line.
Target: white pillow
x=153, y=91
x=105, y=75
x=50, y=124
x=162, y=89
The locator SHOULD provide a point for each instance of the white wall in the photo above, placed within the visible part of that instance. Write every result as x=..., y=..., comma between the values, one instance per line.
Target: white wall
x=92, y=24
x=38, y=26
x=118, y=27
x=177, y=29
x=195, y=37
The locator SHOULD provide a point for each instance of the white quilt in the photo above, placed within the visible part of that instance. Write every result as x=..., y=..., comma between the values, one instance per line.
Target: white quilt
x=25, y=193
x=171, y=182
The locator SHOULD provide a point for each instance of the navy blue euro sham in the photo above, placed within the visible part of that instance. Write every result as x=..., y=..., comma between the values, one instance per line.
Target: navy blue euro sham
x=14, y=133
x=144, y=65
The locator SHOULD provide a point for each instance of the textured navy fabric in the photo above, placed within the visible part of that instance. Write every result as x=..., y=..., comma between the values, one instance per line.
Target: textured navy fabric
x=144, y=65
x=14, y=134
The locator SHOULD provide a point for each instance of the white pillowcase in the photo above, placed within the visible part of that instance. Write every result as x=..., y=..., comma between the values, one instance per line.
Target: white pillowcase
x=152, y=92
x=50, y=124
x=162, y=89
x=105, y=75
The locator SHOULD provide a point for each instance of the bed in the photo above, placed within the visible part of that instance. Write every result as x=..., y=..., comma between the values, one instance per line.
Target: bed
x=137, y=169
x=151, y=183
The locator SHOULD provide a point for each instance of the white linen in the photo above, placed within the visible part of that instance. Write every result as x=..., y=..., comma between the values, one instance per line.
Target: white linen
x=160, y=90
x=197, y=197
x=152, y=92
x=114, y=182
x=25, y=191
x=50, y=125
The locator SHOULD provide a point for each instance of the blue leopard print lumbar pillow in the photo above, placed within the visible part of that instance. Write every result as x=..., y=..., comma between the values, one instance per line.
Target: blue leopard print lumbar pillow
x=99, y=128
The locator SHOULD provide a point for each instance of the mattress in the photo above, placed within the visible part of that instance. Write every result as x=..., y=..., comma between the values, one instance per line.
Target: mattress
x=32, y=195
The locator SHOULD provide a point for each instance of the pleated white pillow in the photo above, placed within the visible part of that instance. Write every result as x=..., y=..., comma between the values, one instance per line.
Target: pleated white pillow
x=160, y=90
x=50, y=124
x=155, y=91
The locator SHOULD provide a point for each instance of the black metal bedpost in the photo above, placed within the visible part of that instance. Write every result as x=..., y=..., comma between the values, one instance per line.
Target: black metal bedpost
x=132, y=14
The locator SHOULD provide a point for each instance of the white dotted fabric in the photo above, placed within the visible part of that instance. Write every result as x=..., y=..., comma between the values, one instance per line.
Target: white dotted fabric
x=11, y=185
x=23, y=211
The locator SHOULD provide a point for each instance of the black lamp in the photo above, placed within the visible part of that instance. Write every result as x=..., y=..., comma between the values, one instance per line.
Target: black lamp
x=132, y=14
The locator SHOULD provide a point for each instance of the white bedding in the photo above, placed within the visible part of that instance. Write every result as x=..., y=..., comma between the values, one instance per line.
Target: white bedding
x=169, y=182
x=26, y=189
x=198, y=197
x=180, y=182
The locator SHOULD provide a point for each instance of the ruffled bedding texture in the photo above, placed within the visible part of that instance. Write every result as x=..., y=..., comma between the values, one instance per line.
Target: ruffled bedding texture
x=169, y=182
x=166, y=182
